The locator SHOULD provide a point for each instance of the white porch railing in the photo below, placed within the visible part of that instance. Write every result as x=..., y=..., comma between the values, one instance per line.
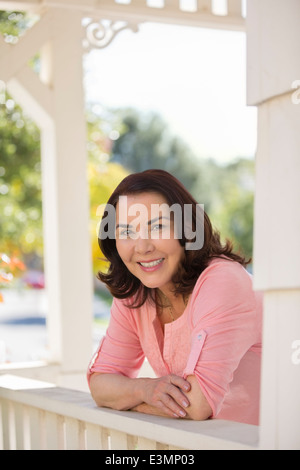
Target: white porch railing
x=223, y=14
x=36, y=415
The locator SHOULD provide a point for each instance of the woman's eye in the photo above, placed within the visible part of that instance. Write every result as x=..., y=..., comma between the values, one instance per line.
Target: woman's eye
x=157, y=227
x=126, y=233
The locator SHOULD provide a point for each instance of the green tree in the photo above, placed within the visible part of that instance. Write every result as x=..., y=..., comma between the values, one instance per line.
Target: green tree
x=103, y=175
x=20, y=180
x=146, y=142
x=14, y=23
x=232, y=208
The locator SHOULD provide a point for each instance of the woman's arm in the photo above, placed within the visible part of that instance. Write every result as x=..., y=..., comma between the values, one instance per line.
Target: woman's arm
x=169, y=396
x=164, y=396
x=115, y=391
x=199, y=409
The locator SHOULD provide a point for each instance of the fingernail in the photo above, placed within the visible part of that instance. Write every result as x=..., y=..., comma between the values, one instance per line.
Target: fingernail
x=182, y=413
x=185, y=404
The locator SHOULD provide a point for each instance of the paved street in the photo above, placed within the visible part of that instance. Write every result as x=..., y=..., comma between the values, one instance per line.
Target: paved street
x=23, y=333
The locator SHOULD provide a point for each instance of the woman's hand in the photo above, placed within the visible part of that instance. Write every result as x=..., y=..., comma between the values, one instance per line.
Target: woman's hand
x=166, y=394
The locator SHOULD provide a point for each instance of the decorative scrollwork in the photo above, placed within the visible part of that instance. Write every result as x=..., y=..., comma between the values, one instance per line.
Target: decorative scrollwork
x=100, y=34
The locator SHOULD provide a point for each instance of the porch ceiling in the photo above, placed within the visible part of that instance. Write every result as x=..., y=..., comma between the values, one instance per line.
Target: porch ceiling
x=172, y=11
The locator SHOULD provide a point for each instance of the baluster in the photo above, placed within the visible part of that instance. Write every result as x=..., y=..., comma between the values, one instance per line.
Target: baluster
x=12, y=426
x=37, y=431
x=22, y=426
x=51, y=424
x=118, y=440
x=61, y=432
x=8, y=425
x=19, y=426
x=145, y=444
x=97, y=437
x=234, y=7
x=139, y=3
x=172, y=4
x=75, y=434
x=105, y=439
x=82, y=436
x=160, y=446
x=93, y=437
x=26, y=428
x=132, y=442
x=1, y=427
x=204, y=6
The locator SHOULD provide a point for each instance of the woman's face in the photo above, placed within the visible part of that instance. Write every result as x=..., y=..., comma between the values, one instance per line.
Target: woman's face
x=145, y=239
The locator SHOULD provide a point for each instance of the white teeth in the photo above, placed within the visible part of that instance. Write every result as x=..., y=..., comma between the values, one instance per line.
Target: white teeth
x=152, y=264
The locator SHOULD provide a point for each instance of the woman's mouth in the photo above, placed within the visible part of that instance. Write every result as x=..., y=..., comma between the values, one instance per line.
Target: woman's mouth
x=151, y=265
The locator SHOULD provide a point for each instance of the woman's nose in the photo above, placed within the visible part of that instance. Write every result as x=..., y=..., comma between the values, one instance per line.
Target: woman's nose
x=143, y=245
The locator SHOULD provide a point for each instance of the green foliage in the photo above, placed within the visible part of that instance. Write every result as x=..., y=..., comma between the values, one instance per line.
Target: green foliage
x=146, y=142
x=13, y=24
x=232, y=207
x=104, y=176
x=20, y=181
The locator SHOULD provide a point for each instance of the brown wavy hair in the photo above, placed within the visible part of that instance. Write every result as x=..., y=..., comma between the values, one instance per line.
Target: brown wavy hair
x=119, y=280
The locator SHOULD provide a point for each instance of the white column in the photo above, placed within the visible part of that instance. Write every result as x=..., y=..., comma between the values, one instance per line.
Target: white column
x=66, y=200
x=55, y=101
x=273, y=65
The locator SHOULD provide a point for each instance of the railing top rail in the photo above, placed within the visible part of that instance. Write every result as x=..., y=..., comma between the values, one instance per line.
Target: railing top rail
x=201, y=14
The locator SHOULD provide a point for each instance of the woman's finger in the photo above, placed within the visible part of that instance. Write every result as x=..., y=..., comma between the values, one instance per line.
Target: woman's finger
x=180, y=382
x=173, y=406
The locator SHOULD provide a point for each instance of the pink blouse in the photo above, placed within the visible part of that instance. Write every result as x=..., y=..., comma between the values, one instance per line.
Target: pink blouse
x=217, y=339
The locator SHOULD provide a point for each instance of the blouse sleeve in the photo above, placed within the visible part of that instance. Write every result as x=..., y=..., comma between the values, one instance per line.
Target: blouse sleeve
x=225, y=325
x=120, y=350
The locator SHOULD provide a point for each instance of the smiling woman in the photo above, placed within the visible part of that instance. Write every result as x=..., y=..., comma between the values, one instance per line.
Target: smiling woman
x=191, y=312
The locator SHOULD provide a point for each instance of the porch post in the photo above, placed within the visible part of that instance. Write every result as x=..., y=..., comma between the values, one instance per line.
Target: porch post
x=66, y=200
x=273, y=66
x=55, y=102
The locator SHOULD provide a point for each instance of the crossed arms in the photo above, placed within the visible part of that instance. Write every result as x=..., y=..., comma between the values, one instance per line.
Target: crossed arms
x=169, y=396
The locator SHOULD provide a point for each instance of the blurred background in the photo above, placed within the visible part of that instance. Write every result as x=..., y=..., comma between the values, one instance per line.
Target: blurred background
x=151, y=102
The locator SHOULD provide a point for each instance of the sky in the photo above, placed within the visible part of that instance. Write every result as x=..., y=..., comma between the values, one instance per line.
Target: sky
x=194, y=77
